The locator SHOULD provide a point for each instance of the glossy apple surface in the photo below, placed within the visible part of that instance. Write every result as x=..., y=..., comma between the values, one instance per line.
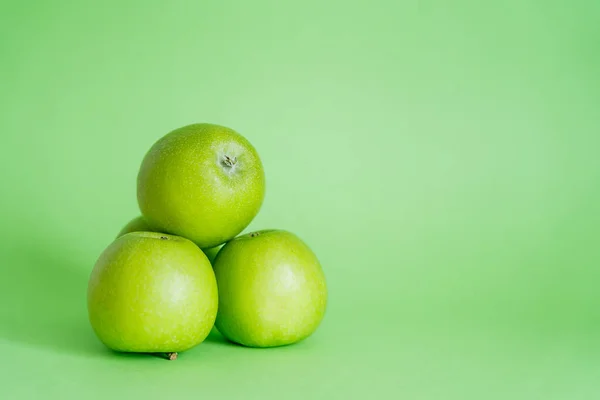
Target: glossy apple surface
x=272, y=289
x=204, y=182
x=139, y=224
x=152, y=293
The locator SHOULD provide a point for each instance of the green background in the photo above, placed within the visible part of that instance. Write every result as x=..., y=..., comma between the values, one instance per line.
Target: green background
x=440, y=157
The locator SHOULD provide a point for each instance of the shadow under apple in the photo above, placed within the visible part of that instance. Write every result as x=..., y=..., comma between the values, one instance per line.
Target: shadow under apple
x=215, y=337
x=43, y=297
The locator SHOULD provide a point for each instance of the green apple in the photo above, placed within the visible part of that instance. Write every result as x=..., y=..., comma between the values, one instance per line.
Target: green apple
x=152, y=293
x=204, y=182
x=272, y=290
x=139, y=224
x=212, y=252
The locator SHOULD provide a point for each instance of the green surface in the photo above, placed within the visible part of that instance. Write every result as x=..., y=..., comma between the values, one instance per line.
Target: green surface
x=440, y=157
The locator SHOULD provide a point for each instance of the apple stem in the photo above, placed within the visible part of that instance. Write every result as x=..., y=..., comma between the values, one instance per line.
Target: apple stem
x=170, y=356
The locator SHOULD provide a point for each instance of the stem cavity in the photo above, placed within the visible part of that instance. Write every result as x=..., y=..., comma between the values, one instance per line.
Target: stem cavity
x=228, y=162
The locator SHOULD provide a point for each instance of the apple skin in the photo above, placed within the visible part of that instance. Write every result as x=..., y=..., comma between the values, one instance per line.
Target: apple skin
x=272, y=289
x=152, y=293
x=139, y=224
x=212, y=252
x=204, y=182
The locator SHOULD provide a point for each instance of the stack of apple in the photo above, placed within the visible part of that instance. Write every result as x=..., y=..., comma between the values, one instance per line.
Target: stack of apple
x=180, y=268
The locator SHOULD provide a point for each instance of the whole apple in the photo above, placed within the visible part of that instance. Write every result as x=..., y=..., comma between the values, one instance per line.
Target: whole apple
x=272, y=290
x=152, y=293
x=139, y=224
x=204, y=182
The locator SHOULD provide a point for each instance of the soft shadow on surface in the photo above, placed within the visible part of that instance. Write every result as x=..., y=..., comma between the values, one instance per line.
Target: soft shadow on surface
x=215, y=337
x=43, y=297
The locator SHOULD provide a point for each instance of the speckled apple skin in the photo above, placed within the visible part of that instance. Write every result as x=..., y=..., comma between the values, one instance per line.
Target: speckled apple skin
x=149, y=294
x=139, y=224
x=272, y=289
x=204, y=182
